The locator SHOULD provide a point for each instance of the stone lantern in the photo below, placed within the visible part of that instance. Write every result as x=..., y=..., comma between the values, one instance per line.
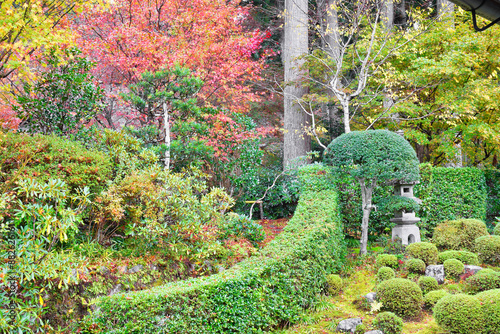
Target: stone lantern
x=405, y=228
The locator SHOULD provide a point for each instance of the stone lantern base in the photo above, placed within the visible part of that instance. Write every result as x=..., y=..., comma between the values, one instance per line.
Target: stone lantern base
x=408, y=233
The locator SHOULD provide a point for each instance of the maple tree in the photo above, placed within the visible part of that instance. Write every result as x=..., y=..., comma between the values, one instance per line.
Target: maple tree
x=206, y=36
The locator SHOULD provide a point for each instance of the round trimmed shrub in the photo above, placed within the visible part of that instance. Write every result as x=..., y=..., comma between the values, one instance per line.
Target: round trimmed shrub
x=387, y=260
x=458, y=234
x=401, y=296
x=385, y=273
x=416, y=266
x=488, y=248
x=459, y=314
x=427, y=284
x=334, y=284
x=465, y=256
x=424, y=251
x=389, y=323
x=496, y=230
x=490, y=303
x=432, y=297
x=484, y=280
x=453, y=268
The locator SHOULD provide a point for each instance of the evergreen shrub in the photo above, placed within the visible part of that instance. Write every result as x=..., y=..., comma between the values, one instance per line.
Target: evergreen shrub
x=401, y=296
x=432, y=297
x=488, y=248
x=416, y=266
x=492, y=177
x=450, y=193
x=268, y=289
x=459, y=314
x=424, y=251
x=453, y=268
x=427, y=284
x=459, y=234
x=496, y=230
x=465, y=256
x=385, y=273
x=490, y=303
x=389, y=323
x=485, y=279
x=387, y=260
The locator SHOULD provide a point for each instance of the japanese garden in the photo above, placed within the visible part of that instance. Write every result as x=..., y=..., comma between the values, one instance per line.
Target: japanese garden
x=250, y=166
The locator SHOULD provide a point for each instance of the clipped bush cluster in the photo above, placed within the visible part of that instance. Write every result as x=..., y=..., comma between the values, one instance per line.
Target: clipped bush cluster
x=432, y=297
x=49, y=157
x=485, y=279
x=465, y=256
x=387, y=260
x=459, y=234
x=416, y=266
x=401, y=296
x=334, y=284
x=424, y=251
x=490, y=304
x=389, y=323
x=488, y=248
x=459, y=313
x=453, y=268
x=270, y=288
x=427, y=284
x=385, y=273
x=450, y=193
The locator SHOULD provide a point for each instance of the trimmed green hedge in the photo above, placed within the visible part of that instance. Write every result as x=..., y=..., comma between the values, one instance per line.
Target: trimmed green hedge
x=257, y=294
x=450, y=193
x=492, y=177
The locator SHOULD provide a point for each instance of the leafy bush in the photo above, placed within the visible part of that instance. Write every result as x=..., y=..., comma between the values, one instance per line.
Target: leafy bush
x=459, y=314
x=485, y=279
x=490, y=304
x=49, y=157
x=389, y=323
x=334, y=284
x=400, y=296
x=424, y=251
x=453, y=268
x=385, y=273
x=239, y=226
x=427, y=284
x=465, y=256
x=488, y=248
x=492, y=177
x=458, y=234
x=496, y=230
x=268, y=289
x=450, y=193
x=416, y=266
x=432, y=297
x=387, y=260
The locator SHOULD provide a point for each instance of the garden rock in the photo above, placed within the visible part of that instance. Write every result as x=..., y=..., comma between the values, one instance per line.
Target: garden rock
x=472, y=269
x=371, y=297
x=135, y=269
x=436, y=271
x=349, y=325
x=375, y=332
x=115, y=290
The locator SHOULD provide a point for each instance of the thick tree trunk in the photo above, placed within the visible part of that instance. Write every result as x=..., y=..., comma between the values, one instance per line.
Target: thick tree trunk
x=366, y=198
x=444, y=8
x=296, y=142
x=388, y=14
x=166, y=124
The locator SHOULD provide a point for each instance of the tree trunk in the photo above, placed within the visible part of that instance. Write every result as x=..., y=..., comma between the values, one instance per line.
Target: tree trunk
x=444, y=8
x=166, y=124
x=296, y=142
x=332, y=36
x=366, y=198
x=345, y=108
x=388, y=14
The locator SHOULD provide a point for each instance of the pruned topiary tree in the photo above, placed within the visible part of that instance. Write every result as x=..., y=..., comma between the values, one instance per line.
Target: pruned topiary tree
x=373, y=158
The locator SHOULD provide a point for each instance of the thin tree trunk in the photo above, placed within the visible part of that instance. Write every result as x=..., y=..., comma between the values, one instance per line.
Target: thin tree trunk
x=345, y=109
x=388, y=14
x=166, y=124
x=296, y=142
x=366, y=198
x=332, y=36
